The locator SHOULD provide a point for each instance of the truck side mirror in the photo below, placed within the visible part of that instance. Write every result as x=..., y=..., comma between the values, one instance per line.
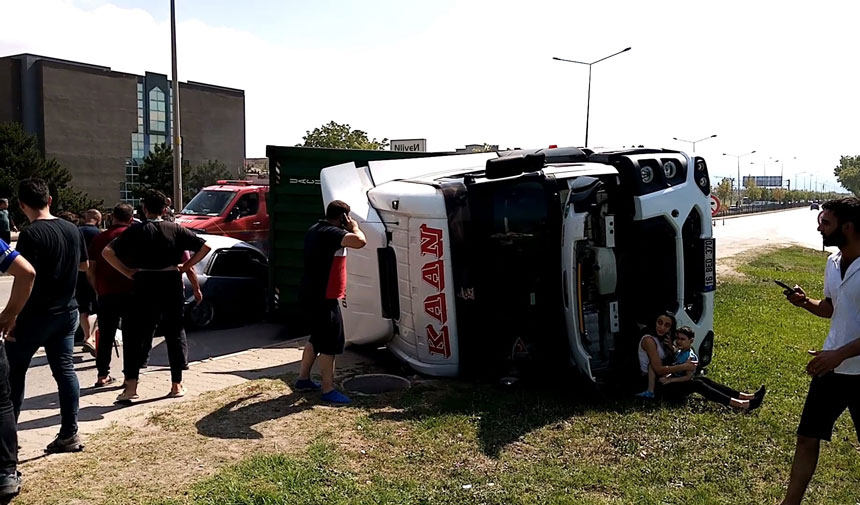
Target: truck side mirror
x=233, y=215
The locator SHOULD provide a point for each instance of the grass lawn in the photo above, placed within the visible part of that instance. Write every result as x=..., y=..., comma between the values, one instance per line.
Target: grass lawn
x=452, y=443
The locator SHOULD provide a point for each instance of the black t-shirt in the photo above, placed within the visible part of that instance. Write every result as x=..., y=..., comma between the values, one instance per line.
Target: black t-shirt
x=325, y=263
x=89, y=231
x=155, y=245
x=55, y=248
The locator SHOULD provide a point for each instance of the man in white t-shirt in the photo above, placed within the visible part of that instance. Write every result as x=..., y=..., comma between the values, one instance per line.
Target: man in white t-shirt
x=835, y=369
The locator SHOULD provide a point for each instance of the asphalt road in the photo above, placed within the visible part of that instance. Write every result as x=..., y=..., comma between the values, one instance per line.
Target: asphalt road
x=740, y=234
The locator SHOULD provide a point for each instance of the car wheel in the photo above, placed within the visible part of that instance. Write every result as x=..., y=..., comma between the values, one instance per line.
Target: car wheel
x=202, y=314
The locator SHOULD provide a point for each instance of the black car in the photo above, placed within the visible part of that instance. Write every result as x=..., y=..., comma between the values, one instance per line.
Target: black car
x=234, y=279
x=814, y=206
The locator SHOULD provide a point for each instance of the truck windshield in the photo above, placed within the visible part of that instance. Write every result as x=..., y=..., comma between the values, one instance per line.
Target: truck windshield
x=209, y=203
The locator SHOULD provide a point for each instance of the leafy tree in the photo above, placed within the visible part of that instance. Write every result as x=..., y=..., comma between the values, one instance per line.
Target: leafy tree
x=754, y=192
x=157, y=173
x=848, y=173
x=20, y=158
x=341, y=136
x=778, y=194
x=195, y=178
x=724, y=190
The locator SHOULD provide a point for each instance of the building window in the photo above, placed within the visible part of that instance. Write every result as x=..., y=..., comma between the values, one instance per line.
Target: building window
x=132, y=171
x=137, y=145
x=157, y=110
x=154, y=140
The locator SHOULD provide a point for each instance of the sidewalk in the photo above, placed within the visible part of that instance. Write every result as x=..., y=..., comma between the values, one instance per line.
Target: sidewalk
x=40, y=418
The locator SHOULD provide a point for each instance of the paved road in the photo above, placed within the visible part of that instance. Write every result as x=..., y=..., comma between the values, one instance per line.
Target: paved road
x=740, y=234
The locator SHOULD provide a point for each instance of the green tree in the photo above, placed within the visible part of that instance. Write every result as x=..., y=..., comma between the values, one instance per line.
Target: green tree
x=848, y=173
x=778, y=194
x=20, y=158
x=753, y=192
x=724, y=191
x=341, y=136
x=156, y=173
x=195, y=178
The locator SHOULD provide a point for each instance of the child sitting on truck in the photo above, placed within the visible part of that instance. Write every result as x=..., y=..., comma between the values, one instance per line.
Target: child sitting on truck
x=681, y=384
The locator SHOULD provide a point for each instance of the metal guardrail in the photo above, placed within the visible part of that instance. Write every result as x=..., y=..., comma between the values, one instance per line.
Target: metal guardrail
x=753, y=209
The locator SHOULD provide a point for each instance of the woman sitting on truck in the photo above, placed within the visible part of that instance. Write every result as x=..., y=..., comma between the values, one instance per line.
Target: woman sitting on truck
x=655, y=348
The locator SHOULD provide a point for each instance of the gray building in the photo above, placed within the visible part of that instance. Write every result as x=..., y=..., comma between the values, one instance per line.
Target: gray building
x=100, y=124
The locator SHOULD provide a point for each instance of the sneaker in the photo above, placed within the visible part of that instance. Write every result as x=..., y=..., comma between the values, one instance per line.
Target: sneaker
x=10, y=484
x=336, y=397
x=645, y=394
x=761, y=392
x=306, y=385
x=69, y=444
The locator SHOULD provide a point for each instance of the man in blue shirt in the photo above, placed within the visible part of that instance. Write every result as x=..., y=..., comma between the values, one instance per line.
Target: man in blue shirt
x=14, y=264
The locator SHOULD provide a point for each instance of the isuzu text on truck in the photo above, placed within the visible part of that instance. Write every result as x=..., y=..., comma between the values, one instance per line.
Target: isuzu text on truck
x=479, y=263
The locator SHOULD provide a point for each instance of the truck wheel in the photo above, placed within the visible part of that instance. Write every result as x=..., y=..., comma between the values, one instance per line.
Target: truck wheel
x=202, y=315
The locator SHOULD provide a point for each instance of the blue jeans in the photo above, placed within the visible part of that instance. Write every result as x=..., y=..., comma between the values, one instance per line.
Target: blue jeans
x=57, y=334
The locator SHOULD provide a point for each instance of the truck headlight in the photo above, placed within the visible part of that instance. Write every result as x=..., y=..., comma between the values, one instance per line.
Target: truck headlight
x=670, y=169
x=647, y=174
x=700, y=165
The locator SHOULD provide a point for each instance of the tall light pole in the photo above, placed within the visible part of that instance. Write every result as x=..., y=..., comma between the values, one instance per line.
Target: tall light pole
x=694, y=142
x=588, y=106
x=177, y=138
x=738, y=157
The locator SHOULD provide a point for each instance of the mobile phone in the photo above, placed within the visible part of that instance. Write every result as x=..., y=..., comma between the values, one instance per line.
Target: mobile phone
x=343, y=220
x=784, y=286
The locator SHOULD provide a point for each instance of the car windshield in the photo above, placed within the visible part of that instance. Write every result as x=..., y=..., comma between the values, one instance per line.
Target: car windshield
x=209, y=203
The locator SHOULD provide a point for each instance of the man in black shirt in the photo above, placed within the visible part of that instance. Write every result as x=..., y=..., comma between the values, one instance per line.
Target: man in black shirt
x=323, y=284
x=56, y=250
x=151, y=255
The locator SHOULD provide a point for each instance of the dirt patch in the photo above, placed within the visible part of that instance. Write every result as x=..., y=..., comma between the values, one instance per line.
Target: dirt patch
x=162, y=454
x=727, y=268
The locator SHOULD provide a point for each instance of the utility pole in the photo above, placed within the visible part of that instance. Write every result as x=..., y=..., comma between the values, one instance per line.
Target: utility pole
x=177, y=137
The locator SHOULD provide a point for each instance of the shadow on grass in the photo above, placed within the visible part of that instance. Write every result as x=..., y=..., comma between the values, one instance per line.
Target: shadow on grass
x=236, y=421
x=503, y=415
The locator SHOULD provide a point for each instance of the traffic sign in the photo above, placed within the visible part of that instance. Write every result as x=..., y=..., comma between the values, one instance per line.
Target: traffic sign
x=715, y=205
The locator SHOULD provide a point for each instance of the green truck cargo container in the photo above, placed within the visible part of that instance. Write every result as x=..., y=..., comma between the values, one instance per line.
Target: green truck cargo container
x=295, y=203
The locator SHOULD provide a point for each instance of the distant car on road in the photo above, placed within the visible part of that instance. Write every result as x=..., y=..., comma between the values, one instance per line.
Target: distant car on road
x=814, y=206
x=234, y=278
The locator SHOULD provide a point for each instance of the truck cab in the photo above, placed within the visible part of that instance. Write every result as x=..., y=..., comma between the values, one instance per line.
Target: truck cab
x=236, y=209
x=477, y=264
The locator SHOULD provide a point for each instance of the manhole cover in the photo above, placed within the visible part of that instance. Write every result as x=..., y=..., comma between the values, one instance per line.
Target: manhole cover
x=375, y=383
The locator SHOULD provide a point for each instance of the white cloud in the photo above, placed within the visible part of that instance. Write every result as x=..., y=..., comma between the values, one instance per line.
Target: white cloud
x=775, y=77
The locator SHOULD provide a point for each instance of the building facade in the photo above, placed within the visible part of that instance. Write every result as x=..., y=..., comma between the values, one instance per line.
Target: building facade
x=99, y=124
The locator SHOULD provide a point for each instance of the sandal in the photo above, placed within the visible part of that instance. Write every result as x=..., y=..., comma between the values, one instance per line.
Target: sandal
x=90, y=348
x=125, y=397
x=104, y=381
x=177, y=394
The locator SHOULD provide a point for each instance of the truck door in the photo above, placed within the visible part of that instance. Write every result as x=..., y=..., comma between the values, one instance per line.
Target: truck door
x=242, y=221
x=362, y=308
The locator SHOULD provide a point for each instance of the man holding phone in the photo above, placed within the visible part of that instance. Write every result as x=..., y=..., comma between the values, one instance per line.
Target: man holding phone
x=323, y=285
x=835, y=369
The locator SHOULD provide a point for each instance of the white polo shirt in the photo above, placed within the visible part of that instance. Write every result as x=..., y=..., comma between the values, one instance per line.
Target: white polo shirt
x=845, y=322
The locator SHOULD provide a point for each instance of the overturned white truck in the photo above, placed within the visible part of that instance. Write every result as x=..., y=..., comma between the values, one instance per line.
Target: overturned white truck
x=479, y=263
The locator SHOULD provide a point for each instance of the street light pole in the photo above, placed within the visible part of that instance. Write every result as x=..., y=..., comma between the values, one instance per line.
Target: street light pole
x=588, y=106
x=738, y=157
x=177, y=139
x=694, y=142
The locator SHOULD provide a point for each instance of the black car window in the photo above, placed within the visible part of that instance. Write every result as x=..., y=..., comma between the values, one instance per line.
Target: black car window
x=238, y=263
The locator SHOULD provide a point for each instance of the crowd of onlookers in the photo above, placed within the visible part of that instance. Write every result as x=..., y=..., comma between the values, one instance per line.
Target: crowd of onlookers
x=71, y=275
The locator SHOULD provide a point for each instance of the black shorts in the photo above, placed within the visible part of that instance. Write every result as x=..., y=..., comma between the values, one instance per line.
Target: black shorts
x=827, y=399
x=85, y=295
x=326, y=326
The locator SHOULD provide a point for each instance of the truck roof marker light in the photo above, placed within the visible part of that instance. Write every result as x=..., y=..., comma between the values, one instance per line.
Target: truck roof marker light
x=553, y=146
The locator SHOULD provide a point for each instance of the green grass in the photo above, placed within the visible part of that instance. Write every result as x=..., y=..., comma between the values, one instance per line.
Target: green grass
x=458, y=443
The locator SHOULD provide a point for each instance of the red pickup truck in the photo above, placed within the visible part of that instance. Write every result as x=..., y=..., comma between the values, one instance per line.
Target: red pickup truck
x=235, y=209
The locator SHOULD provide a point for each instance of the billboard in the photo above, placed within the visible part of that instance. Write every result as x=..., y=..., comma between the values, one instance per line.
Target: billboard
x=764, y=181
x=409, y=145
